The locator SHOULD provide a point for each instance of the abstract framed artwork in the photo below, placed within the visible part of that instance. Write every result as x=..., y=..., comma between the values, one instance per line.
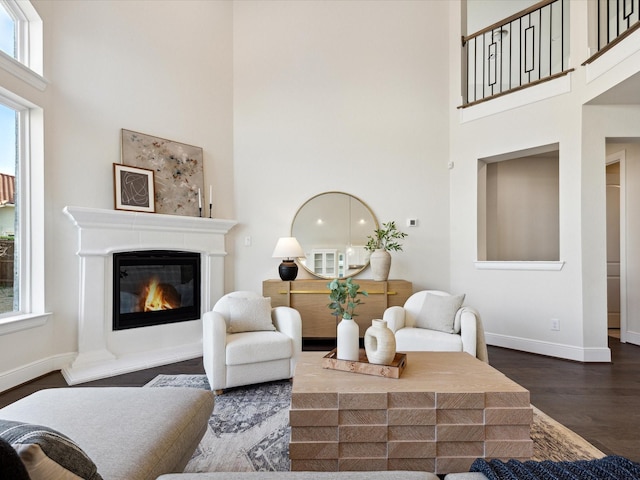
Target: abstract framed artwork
x=177, y=167
x=134, y=188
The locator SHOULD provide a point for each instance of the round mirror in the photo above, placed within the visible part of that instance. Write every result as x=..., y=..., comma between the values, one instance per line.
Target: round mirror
x=332, y=229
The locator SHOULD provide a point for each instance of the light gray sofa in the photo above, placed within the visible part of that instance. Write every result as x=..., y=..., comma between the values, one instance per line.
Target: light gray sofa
x=389, y=475
x=130, y=433
x=134, y=433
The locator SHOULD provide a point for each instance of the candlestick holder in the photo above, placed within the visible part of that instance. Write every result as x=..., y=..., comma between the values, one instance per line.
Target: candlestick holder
x=210, y=210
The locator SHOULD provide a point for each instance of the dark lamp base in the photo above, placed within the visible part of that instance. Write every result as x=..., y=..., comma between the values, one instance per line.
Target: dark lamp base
x=288, y=270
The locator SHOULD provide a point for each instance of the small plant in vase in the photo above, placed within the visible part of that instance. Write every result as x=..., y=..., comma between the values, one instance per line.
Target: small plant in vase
x=383, y=241
x=343, y=295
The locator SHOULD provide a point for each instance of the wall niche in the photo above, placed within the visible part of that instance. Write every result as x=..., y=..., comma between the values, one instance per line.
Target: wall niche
x=519, y=206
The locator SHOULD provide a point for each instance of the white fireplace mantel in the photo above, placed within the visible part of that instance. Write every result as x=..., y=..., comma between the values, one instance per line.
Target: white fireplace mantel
x=103, y=352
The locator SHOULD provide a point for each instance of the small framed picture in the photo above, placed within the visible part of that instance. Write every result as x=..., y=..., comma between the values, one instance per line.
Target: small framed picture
x=133, y=188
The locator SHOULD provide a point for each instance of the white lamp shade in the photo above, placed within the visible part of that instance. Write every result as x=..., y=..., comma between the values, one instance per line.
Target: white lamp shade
x=288, y=247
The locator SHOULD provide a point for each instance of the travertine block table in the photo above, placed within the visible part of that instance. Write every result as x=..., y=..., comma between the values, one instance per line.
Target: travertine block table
x=446, y=410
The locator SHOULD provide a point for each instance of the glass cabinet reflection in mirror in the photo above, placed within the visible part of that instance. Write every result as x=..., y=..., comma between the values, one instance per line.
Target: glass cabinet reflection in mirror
x=332, y=229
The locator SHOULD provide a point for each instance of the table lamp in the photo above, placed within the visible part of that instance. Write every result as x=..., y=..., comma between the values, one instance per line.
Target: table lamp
x=288, y=249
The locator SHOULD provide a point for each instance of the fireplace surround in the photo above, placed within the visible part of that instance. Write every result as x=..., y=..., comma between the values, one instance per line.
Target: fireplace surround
x=104, y=352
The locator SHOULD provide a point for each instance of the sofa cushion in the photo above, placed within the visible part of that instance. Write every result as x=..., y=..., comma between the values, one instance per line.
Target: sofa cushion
x=420, y=339
x=47, y=453
x=10, y=464
x=130, y=433
x=344, y=475
x=257, y=347
x=438, y=312
x=249, y=314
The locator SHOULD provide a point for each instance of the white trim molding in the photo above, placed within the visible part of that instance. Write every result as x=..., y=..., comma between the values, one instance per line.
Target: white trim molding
x=519, y=98
x=22, y=72
x=532, y=266
x=550, y=349
x=16, y=323
x=26, y=373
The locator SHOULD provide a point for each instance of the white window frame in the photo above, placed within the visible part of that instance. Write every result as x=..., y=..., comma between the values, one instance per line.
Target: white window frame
x=30, y=189
x=28, y=64
x=30, y=238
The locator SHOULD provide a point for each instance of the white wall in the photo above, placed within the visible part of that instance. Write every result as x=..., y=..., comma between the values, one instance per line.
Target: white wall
x=162, y=68
x=344, y=96
x=482, y=13
x=517, y=305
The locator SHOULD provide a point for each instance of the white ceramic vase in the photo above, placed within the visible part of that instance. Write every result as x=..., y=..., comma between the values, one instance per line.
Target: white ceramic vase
x=348, y=341
x=380, y=343
x=380, y=261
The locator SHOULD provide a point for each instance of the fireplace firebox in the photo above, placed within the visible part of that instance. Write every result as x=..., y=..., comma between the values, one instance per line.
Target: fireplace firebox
x=155, y=287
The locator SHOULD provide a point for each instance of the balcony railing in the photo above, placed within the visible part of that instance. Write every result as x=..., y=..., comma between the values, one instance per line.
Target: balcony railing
x=616, y=19
x=522, y=50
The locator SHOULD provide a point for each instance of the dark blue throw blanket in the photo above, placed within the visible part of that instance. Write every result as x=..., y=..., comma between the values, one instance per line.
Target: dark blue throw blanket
x=610, y=468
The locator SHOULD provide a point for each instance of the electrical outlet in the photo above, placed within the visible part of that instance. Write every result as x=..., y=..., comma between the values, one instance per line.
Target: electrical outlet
x=555, y=324
x=412, y=222
x=247, y=241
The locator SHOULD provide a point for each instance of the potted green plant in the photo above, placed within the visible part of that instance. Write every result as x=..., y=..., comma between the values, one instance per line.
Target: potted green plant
x=382, y=241
x=343, y=295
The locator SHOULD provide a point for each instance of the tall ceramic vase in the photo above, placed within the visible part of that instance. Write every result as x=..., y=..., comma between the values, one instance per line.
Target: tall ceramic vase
x=348, y=340
x=380, y=261
x=380, y=343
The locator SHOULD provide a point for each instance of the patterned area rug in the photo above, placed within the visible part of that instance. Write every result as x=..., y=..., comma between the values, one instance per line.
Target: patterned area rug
x=249, y=430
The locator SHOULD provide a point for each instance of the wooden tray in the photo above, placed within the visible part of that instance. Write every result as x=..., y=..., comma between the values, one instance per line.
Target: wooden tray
x=394, y=370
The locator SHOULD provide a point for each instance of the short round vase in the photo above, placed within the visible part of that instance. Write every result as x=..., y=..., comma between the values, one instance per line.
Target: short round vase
x=348, y=341
x=380, y=261
x=380, y=343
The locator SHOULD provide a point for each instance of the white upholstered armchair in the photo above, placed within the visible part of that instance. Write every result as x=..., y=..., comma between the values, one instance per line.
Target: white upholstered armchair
x=245, y=341
x=432, y=320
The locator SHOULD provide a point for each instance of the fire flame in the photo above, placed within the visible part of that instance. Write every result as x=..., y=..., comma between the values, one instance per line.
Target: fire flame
x=159, y=296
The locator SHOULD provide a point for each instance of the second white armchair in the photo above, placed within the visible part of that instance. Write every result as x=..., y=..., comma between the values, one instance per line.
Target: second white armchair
x=432, y=320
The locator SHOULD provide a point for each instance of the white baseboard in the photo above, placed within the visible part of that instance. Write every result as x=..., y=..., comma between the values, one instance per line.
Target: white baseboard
x=568, y=352
x=80, y=372
x=87, y=372
x=26, y=373
x=632, y=337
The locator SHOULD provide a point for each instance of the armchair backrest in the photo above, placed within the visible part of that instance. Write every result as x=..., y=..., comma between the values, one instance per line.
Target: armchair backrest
x=414, y=303
x=222, y=305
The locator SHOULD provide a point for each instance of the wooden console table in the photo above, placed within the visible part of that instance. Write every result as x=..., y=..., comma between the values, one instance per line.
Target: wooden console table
x=311, y=297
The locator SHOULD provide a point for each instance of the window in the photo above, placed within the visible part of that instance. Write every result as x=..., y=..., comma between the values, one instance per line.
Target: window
x=518, y=207
x=9, y=255
x=21, y=172
x=7, y=33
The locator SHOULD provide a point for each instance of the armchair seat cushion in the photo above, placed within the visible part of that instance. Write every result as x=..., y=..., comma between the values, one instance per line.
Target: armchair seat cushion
x=412, y=339
x=257, y=347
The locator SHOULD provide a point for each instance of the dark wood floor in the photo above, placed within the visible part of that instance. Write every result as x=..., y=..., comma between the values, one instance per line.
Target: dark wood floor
x=600, y=402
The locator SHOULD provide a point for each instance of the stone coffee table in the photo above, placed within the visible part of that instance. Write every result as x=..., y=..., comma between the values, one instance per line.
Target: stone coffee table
x=446, y=410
